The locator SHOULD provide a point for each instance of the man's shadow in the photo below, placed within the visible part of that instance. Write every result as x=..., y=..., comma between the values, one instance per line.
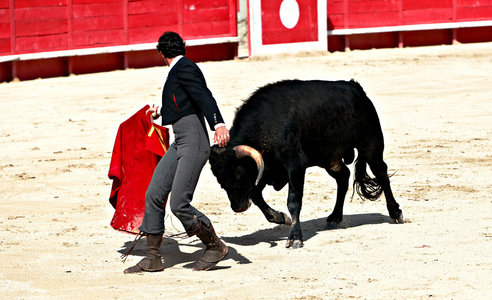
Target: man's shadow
x=172, y=254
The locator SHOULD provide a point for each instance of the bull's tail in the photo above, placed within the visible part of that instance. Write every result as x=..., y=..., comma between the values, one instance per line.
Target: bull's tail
x=366, y=186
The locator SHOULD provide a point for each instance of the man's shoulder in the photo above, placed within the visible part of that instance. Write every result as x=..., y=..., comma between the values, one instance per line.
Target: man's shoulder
x=186, y=67
x=184, y=61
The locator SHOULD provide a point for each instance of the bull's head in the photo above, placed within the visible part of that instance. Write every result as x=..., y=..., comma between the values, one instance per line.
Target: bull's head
x=238, y=169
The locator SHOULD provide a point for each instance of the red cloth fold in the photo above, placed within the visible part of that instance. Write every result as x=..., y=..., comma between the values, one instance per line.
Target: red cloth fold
x=138, y=147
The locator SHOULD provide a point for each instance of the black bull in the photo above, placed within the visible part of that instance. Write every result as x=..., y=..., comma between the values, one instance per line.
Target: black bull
x=288, y=126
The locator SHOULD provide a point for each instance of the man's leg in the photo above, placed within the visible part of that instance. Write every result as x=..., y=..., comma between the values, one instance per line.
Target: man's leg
x=153, y=223
x=157, y=192
x=193, y=152
x=193, y=149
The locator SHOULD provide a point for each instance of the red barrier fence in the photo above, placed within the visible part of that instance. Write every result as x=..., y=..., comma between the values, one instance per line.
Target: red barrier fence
x=376, y=13
x=67, y=26
x=388, y=23
x=45, y=38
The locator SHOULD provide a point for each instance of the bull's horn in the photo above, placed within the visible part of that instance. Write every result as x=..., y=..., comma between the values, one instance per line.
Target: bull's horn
x=243, y=150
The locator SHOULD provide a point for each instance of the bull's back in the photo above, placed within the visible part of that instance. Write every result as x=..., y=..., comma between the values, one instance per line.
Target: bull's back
x=321, y=117
x=331, y=119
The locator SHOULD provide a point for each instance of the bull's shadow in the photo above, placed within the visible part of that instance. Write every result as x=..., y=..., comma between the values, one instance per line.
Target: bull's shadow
x=310, y=229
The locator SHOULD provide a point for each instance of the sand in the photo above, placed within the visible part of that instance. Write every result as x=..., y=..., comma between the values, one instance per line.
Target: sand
x=435, y=106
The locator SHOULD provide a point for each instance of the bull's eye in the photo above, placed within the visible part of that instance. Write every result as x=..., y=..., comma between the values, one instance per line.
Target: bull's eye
x=239, y=173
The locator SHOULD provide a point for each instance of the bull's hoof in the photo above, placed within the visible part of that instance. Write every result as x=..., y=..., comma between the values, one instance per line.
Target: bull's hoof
x=287, y=220
x=295, y=244
x=399, y=220
x=278, y=217
x=333, y=221
x=332, y=225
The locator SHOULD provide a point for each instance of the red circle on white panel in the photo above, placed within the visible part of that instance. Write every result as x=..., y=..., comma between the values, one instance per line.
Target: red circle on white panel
x=289, y=13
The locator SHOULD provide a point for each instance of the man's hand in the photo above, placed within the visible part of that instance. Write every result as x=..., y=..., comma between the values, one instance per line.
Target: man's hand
x=221, y=136
x=154, y=111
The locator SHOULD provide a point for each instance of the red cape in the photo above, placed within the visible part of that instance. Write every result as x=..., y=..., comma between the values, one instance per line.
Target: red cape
x=138, y=148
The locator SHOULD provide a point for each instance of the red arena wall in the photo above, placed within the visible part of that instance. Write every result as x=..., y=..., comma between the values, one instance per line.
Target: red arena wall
x=44, y=26
x=391, y=23
x=274, y=32
x=46, y=38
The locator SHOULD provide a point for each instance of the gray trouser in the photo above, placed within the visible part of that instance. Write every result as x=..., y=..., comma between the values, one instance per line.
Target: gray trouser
x=177, y=173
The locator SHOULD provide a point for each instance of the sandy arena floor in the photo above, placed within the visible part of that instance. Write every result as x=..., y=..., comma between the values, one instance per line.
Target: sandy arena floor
x=435, y=105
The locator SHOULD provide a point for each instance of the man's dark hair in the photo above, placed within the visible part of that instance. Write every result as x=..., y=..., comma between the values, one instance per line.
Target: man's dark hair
x=171, y=45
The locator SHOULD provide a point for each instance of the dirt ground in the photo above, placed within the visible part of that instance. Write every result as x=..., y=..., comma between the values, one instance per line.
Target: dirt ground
x=435, y=105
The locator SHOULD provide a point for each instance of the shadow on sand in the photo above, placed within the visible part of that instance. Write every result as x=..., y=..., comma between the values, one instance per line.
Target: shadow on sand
x=310, y=228
x=172, y=254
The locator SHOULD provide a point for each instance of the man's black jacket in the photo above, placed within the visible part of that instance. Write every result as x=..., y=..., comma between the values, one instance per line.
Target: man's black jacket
x=185, y=92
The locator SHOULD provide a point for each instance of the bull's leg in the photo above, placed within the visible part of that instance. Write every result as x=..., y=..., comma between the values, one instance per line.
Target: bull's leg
x=380, y=170
x=294, y=204
x=342, y=177
x=271, y=215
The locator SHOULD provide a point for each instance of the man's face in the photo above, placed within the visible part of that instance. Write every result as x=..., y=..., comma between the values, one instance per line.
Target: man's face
x=166, y=61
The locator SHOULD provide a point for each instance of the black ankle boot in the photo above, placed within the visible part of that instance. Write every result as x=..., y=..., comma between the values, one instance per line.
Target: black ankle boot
x=153, y=261
x=215, y=250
